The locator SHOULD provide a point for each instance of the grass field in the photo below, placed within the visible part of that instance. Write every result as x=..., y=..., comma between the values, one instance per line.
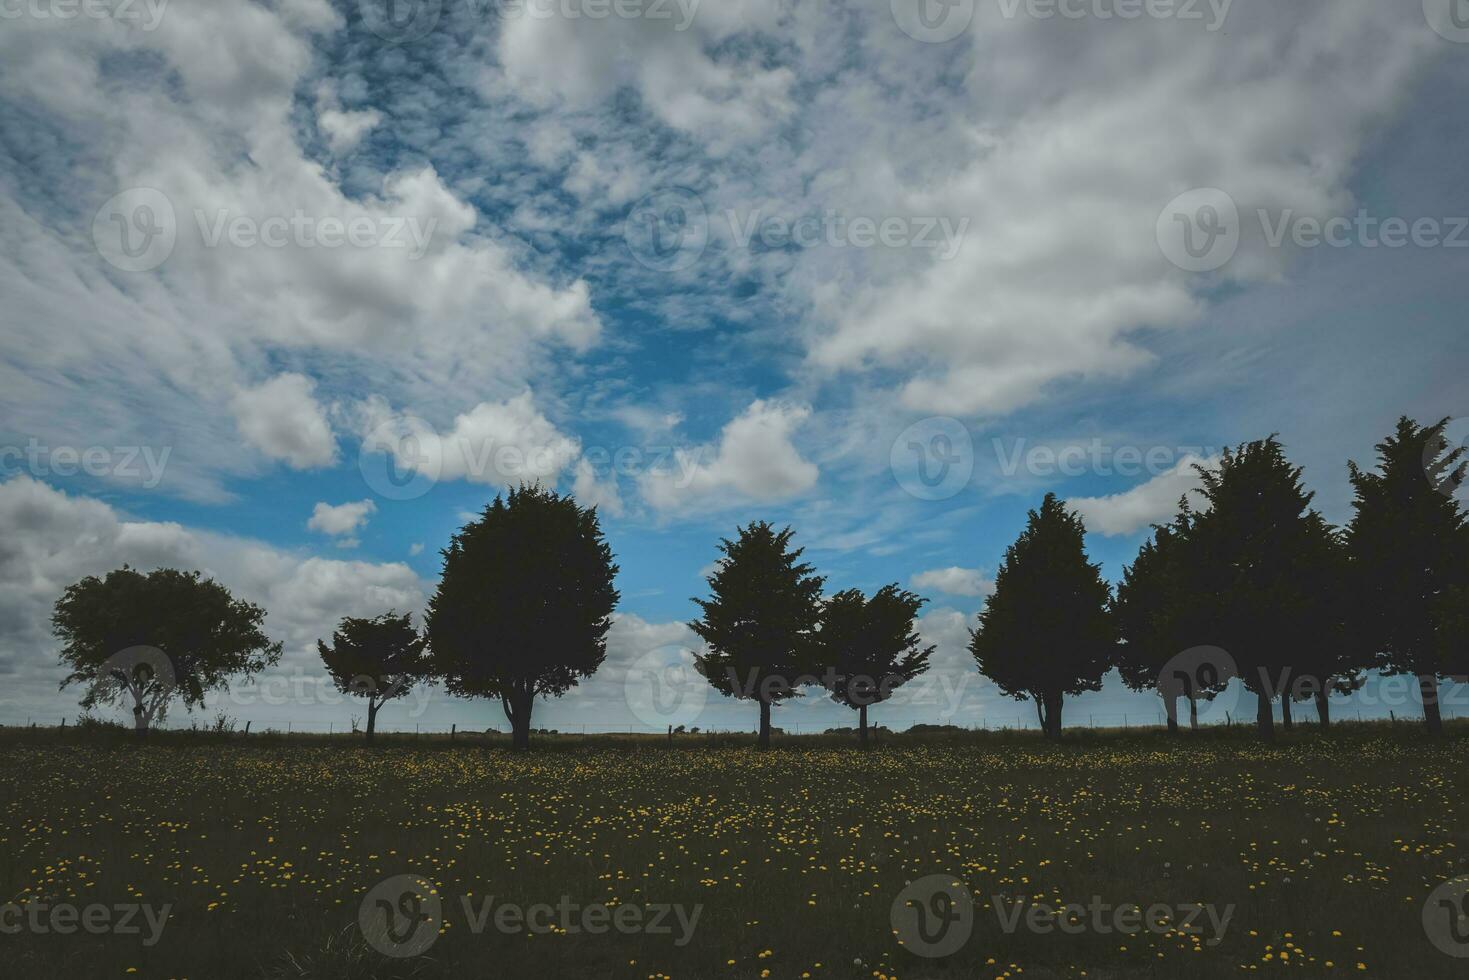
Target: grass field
x=1322, y=850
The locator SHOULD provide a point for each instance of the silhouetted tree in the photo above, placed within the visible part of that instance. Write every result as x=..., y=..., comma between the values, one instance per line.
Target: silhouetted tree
x=1408, y=542
x=1253, y=548
x=524, y=604
x=378, y=659
x=150, y=638
x=759, y=620
x=1157, y=621
x=868, y=648
x=1325, y=655
x=1046, y=631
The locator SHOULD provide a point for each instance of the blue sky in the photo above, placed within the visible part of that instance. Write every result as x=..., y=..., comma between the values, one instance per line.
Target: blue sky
x=641, y=238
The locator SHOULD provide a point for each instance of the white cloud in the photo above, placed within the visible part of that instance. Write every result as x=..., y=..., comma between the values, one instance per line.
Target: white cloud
x=342, y=518
x=591, y=490
x=344, y=129
x=1153, y=502
x=753, y=460
x=955, y=581
x=282, y=419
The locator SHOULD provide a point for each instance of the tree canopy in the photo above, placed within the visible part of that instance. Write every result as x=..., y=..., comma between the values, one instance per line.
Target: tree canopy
x=379, y=659
x=152, y=638
x=524, y=603
x=1046, y=631
x=760, y=620
x=868, y=647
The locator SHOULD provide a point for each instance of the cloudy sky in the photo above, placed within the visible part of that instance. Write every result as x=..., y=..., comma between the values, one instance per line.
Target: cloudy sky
x=292, y=287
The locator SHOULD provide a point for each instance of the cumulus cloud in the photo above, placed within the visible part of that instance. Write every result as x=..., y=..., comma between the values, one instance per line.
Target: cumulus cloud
x=342, y=518
x=1153, y=502
x=282, y=419
x=754, y=459
x=955, y=581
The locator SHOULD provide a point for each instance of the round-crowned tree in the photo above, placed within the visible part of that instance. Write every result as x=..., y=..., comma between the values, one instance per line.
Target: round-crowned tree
x=146, y=640
x=524, y=604
x=378, y=659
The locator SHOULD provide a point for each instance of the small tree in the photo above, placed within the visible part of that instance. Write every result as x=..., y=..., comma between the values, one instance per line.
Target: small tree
x=524, y=604
x=377, y=659
x=868, y=647
x=1408, y=547
x=760, y=620
x=152, y=638
x=1046, y=631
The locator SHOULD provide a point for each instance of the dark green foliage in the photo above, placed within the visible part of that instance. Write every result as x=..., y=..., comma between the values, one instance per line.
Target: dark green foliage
x=1408, y=543
x=378, y=659
x=146, y=639
x=524, y=603
x=868, y=647
x=760, y=620
x=1046, y=631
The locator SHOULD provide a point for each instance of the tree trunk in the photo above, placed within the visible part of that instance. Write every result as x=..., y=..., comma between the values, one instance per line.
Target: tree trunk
x=862, y=725
x=1428, y=687
x=371, y=719
x=1170, y=708
x=1287, y=722
x=1049, y=707
x=517, y=709
x=1193, y=711
x=764, y=739
x=1264, y=718
x=1323, y=708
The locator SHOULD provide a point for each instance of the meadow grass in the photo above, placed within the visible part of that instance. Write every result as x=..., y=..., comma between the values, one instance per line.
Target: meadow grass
x=1323, y=846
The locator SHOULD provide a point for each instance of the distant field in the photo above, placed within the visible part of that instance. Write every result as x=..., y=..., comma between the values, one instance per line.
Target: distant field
x=1325, y=847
